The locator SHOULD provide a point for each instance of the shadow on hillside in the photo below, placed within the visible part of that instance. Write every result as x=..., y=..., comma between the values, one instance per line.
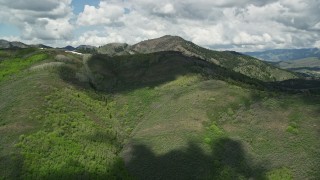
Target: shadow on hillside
x=11, y=166
x=126, y=73
x=298, y=85
x=104, y=137
x=226, y=161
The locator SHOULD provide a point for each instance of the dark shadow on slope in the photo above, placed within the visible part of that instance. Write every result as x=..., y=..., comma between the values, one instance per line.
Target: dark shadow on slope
x=11, y=165
x=227, y=161
x=129, y=72
x=108, y=137
x=126, y=73
x=297, y=86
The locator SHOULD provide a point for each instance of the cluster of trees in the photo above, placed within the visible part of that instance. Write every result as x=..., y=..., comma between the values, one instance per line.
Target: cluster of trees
x=79, y=139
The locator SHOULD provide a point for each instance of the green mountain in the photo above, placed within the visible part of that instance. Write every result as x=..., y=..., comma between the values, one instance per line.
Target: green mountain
x=285, y=54
x=113, y=49
x=243, y=64
x=153, y=115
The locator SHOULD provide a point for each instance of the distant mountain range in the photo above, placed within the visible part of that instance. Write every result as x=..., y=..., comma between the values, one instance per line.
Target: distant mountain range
x=305, y=61
x=15, y=44
x=6, y=44
x=307, y=66
x=234, y=61
x=69, y=48
x=285, y=54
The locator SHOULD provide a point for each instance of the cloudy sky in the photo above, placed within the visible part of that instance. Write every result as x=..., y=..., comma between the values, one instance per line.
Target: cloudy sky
x=243, y=25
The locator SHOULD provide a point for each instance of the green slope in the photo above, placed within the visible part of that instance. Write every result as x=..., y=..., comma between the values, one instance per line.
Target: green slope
x=114, y=49
x=150, y=116
x=243, y=64
x=52, y=130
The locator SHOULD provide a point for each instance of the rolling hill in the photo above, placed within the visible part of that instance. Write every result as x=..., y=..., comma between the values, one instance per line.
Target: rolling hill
x=166, y=109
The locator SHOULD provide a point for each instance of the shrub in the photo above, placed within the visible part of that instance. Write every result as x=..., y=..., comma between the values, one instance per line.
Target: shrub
x=280, y=174
x=292, y=129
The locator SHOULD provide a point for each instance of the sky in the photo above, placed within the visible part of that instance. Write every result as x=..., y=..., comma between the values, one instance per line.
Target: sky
x=241, y=25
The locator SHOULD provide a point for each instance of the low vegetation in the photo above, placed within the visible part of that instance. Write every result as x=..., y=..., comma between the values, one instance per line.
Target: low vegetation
x=11, y=66
x=149, y=116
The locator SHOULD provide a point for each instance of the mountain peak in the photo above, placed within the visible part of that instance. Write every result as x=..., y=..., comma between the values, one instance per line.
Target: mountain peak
x=69, y=48
x=4, y=44
x=165, y=38
x=164, y=43
x=114, y=48
x=170, y=37
x=115, y=44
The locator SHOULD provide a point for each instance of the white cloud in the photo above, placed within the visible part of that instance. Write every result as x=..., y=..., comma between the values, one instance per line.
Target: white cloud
x=239, y=25
x=96, y=38
x=221, y=24
x=244, y=38
x=10, y=38
x=317, y=44
x=42, y=20
x=167, y=9
x=207, y=35
x=316, y=26
x=104, y=14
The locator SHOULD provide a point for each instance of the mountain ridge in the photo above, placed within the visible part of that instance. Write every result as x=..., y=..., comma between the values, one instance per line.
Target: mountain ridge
x=238, y=62
x=235, y=61
x=4, y=44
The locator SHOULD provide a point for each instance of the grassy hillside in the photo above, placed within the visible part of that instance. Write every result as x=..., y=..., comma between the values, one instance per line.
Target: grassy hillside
x=114, y=49
x=243, y=64
x=149, y=116
x=234, y=61
x=123, y=73
x=54, y=130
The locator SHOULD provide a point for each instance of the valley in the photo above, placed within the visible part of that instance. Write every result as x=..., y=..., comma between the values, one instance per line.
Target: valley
x=307, y=66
